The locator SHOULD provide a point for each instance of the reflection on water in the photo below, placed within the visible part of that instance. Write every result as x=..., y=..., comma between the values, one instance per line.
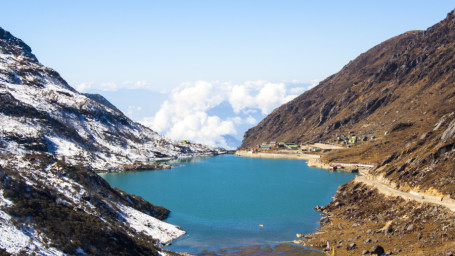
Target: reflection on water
x=183, y=160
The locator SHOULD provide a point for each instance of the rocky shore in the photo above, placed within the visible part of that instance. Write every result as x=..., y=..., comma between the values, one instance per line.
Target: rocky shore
x=361, y=218
x=370, y=215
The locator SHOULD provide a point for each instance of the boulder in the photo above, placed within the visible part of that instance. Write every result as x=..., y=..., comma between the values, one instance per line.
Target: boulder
x=325, y=220
x=351, y=246
x=378, y=250
x=449, y=132
x=318, y=208
x=410, y=227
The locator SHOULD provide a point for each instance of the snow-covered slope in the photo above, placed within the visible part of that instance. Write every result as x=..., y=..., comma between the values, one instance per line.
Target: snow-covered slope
x=52, y=140
x=51, y=208
x=39, y=111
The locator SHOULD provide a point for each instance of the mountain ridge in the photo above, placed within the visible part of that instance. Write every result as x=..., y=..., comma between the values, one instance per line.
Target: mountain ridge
x=70, y=125
x=52, y=141
x=401, y=93
x=386, y=62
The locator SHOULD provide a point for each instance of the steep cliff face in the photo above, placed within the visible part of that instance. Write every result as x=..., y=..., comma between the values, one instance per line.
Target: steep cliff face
x=402, y=92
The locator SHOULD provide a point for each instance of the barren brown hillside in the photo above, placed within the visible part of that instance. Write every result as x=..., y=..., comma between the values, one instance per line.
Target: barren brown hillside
x=404, y=79
x=398, y=91
x=402, y=92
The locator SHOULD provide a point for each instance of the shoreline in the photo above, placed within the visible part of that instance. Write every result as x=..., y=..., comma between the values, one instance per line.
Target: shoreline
x=298, y=156
x=313, y=160
x=156, y=165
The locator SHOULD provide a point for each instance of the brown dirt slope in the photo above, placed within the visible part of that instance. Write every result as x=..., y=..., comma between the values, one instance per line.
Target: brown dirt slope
x=402, y=80
x=404, y=88
x=402, y=91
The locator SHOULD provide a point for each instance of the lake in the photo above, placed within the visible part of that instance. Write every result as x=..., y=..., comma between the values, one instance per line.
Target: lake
x=221, y=201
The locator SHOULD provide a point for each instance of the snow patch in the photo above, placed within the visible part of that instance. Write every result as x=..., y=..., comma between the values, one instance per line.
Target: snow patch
x=14, y=240
x=159, y=230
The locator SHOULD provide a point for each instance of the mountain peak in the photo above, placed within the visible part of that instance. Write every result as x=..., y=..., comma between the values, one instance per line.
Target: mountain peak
x=15, y=46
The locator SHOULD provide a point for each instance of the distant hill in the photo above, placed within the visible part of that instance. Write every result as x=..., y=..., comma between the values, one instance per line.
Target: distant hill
x=232, y=142
x=100, y=99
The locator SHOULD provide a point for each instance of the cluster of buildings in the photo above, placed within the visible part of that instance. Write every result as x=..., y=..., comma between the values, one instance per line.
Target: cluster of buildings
x=339, y=139
x=267, y=146
x=351, y=138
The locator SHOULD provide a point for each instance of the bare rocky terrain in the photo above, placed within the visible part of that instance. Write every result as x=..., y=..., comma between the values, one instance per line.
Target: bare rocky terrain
x=401, y=92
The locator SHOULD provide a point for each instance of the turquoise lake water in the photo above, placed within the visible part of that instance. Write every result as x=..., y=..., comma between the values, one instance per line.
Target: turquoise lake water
x=220, y=201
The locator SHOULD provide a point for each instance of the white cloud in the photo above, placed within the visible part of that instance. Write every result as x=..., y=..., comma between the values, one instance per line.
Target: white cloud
x=250, y=120
x=84, y=86
x=270, y=97
x=132, y=111
x=297, y=90
x=109, y=86
x=184, y=115
x=314, y=82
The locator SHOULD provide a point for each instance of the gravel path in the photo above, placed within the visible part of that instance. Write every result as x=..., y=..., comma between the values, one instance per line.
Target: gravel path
x=412, y=195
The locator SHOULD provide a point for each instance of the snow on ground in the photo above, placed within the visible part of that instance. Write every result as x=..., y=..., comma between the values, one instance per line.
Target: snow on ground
x=13, y=239
x=78, y=130
x=66, y=187
x=141, y=222
x=24, y=128
x=117, y=139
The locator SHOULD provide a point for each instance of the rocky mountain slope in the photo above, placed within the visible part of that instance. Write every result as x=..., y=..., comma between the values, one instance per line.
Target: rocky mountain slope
x=40, y=112
x=52, y=140
x=402, y=92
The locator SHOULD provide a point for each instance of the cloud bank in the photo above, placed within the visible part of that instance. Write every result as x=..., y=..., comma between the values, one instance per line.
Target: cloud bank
x=205, y=112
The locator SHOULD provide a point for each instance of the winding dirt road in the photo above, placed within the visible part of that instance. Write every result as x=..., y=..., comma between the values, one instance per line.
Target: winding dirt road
x=416, y=196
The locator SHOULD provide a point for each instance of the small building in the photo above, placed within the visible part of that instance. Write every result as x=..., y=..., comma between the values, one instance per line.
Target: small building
x=292, y=146
x=281, y=144
x=314, y=149
x=264, y=148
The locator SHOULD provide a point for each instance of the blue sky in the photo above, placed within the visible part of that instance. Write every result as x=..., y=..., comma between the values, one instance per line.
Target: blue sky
x=245, y=57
